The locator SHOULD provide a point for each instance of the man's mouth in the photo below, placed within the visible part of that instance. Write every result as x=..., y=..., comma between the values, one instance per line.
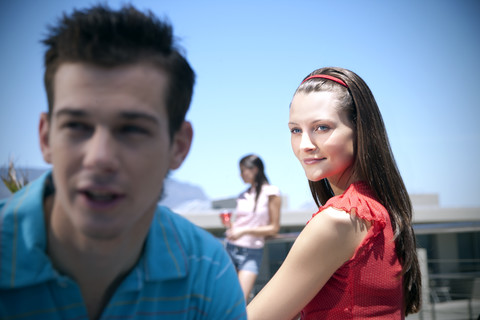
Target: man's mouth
x=101, y=196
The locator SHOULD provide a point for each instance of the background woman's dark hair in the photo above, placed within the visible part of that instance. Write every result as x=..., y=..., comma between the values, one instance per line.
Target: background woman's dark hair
x=250, y=161
x=373, y=163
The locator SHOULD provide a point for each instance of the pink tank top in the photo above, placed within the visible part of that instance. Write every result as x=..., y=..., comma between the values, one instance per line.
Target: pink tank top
x=247, y=217
x=369, y=285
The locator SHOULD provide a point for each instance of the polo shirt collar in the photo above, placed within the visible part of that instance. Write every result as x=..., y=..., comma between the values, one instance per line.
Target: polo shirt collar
x=23, y=237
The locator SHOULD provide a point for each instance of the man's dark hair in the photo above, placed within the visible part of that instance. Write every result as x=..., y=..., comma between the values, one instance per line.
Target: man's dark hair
x=108, y=38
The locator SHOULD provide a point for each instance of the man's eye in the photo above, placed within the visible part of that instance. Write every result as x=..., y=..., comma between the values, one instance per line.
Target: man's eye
x=134, y=129
x=76, y=126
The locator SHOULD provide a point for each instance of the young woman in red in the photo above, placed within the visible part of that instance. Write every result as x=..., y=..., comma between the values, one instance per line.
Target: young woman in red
x=356, y=257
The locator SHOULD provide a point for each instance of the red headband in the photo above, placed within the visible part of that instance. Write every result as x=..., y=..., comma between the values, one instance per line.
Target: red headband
x=325, y=76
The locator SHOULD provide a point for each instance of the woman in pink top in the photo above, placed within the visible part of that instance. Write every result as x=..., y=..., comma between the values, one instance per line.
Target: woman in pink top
x=356, y=257
x=257, y=216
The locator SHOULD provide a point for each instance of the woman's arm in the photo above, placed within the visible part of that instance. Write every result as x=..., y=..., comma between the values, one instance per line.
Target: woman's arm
x=327, y=242
x=270, y=229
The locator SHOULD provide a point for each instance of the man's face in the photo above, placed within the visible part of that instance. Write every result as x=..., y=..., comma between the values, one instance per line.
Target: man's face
x=108, y=141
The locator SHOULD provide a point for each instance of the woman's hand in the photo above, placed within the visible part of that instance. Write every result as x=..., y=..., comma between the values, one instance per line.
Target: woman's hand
x=235, y=233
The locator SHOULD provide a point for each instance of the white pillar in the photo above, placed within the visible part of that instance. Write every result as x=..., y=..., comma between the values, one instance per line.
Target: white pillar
x=422, y=261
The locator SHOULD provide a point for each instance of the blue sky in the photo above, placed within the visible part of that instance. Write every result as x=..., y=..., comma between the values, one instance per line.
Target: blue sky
x=420, y=58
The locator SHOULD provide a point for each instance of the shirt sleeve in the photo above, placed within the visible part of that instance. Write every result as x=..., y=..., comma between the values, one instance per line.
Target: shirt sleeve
x=227, y=294
x=270, y=190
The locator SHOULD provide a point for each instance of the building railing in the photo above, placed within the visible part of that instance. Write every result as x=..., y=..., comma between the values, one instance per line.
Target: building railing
x=453, y=288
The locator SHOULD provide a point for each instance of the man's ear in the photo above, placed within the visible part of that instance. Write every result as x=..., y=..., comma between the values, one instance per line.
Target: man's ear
x=43, y=133
x=182, y=140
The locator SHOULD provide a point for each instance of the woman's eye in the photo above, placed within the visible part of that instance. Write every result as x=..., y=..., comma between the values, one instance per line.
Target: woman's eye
x=322, y=128
x=295, y=130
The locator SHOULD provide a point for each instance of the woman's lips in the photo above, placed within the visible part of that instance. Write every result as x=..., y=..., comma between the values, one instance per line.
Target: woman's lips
x=309, y=161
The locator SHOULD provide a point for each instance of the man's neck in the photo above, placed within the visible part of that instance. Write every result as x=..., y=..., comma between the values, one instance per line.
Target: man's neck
x=98, y=275
x=97, y=265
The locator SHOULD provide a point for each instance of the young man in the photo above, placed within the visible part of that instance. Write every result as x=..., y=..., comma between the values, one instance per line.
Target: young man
x=87, y=240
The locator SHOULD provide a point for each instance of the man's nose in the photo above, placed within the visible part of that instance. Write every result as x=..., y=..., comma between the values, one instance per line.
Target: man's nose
x=101, y=151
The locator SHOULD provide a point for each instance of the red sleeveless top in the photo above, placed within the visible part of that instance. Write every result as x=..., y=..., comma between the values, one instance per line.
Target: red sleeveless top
x=369, y=285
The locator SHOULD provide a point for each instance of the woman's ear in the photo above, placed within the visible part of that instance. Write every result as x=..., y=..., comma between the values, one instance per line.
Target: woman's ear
x=182, y=140
x=44, y=135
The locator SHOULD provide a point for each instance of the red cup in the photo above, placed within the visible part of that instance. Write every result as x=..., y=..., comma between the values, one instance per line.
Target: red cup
x=225, y=217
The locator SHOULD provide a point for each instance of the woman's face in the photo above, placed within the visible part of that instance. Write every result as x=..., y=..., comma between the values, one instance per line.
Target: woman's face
x=248, y=174
x=322, y=137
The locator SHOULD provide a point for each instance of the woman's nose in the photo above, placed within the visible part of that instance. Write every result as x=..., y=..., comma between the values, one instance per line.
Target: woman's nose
x=306, y=143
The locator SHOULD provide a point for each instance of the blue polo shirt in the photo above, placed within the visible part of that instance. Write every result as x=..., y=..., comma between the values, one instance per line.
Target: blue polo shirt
x=183, y=273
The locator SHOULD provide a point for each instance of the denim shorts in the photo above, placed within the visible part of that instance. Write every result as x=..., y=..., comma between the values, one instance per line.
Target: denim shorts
x=246, y=259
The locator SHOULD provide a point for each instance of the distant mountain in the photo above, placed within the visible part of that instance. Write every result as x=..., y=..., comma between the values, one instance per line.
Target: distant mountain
x=184, y=197
x=179, y=196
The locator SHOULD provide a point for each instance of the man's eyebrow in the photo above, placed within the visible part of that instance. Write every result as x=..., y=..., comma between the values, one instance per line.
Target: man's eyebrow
x=70, y=112
x=127, y=115
x=135, y=115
